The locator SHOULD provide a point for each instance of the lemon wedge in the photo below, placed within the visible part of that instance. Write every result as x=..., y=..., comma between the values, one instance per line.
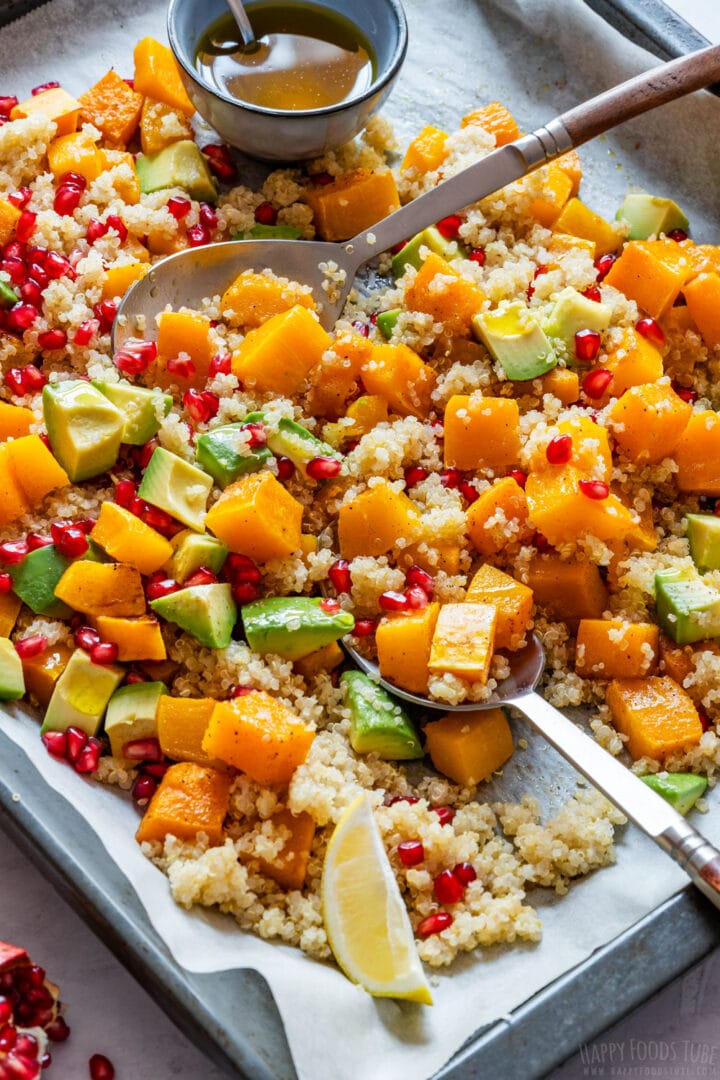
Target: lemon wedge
x=365, y=918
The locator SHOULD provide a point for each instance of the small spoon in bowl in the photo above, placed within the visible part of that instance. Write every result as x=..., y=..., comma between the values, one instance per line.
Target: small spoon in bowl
x=649, y=811
x=247, y=33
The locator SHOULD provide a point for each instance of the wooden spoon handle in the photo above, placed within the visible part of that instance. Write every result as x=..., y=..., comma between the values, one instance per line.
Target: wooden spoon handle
x=642, y=93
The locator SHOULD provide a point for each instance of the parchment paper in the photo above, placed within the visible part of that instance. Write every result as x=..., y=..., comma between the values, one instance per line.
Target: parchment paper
x=538, y=58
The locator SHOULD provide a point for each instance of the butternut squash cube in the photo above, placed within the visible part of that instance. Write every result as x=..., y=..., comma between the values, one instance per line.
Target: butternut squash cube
x=118, y=279
x=650, y=272
x=469, y=747
x=697, y=454
x=325, y=659
x=34, y=468
x=181, y=726
x=14, y=421
x=113, y=107
x=257, y=516
x=188, y=333
x=102, y=589
x=136, y=639
x=482, y=433
x=43, y=671
x=513, y=600
x=157, y=75
x=13, y=503
x=396, y=373
x=334, y=380
x=56, y=104
x=616, y=649
x=403, y=647
x=702, y=296
x=679, y=661
x=251, y=299
x=648, y=421
x=591, y=454
x=161, y=125
x=561, y=243
x=656, y=714
x=429, y=556
x=570, y=164
x=191, y=799
x=498, y=517
x=567, y=590
x=579, y=220
x=557, y=190
x=633, y=361
x=289, y=867
x=9, y=217
x=76, y=152
x=464, y=640
x=129, y=540
x=259, y=735
x=372, y=522
x=10, y=605
x=352, y=203
x=562, y=384
x=127, y=185
x=438, y=289
x=495, y=119
x=279, y=355
x=426, y=152
x=558, y=508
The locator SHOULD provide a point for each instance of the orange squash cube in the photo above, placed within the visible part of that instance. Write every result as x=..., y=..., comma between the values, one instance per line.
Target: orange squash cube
x=579, y=220
x=652, y=273
x=557, y=190
x=14, y=421
x=615, y=649
x=372, y=522
x=495, y=119
x=397, y=374
x=702, y=296
x=562, y=384
x=128, y=539
x=77, y=152
x=118, y=279
x=279, y=355
x=158, y=76
x=251, y=299
x=561, y=243
x=648, y=421
x=289, y=867
x=13, y=503
x=42, y=672
x=113, y=107
x=426, y=152
x=464, y=640
x=428, y=556
x=34, y=468
x=334, y=380
x=127, y=185
x=558, y=508
x=482, y=433
x=352, y=203
x=591, y=454
x=257, y=516
x=513, y=600
x=498, y=517
x=56, y=104
x=188, y=333
x=10, y=605
x=9, y=217
x=325, y=659
x=567, y=590
x=102, y=589
x=161, y=125
x=697, y=454
x=633, y=361
x=136, y=639
x=259, y=735
x=181, y=726
x=191, y=799
x=403, y=646
x=468, y=747
x=438, y=289
x=570, y=165
x=656, y=714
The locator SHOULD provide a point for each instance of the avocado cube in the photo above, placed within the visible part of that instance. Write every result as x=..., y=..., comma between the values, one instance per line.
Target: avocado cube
x=295, y=442
x=292, y=626
x=572, y=312
x=12, y=680
x=131, y=713
x=410, y=254
x=143, y=410
x=81, y=694
x=516, y=341
x=649, y=215
x=378, y=723
x=8, y=296
x=176, y=487
x=272, y=232
x=179, y=165
x=226, y=456
x=688, y=609
x=703, y=532
x=192, y=550
x=84, y=428
x=386, y=321
x=207, y=612
x=681, y=790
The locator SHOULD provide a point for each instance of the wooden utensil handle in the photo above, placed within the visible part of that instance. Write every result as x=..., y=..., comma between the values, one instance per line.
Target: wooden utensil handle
x=642, y=93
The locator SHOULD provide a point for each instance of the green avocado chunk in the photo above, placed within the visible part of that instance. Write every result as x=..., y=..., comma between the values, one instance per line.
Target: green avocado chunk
x=131, y=714
x=36, y=577
x=179, y=165
x=650, y=215
x=681, y=790
x=219, y=454
x=378, y=723
x=572, y=312
x=270, y=232
x=687, y=608
x=292, y=626
x=430, y=238
x=176, y=487
x=81, y=694
x=142, y=409
x=192, y=550
x=8, y=296
x=207, y=612
x=386, y=321
x=293, y=441
x=12, y=679
x=84, y=428
x=516, y=341
x=703, y=532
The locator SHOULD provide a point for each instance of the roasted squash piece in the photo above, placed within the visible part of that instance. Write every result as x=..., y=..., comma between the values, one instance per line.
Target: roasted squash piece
x=616, y=649
x=56, y=104
x=468, y=747
x=352, y=203
x=190, y=799
x=279, y=355
x=498, y=517
x=567, y=590
x=496, y=119
x=289, y=867
x=128, y=539
x=403, y=645
x=113, y=107
x=157, y=75
x=259, y=735
x=697, y=454
x=372, y=522
x=513, y=600
x=648, y=421
x=102, y=589
x=397, y=374
x=650, y=272
x=426, y=152
x=438, y=289
x=656, y=714
x=257, y=516
x=463, y=641
x=181, y=726
x=482, y=433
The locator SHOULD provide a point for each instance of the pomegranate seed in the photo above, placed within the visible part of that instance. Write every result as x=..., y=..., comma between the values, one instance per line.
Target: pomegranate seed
x=208, y=217
x=685, y=394
x=651, y=331
x=156, y=589
x=25, y=226
x=224, y=170
x=198, y=235
x=52, y=339
x=445, y=813
x=57, y=266
x=477, y=255
x=559, y=450
x=469, y=491
x=593, y=293
x=221, y=364
x=603, y=265
x=8, y=1036
x=451, y=478
x=21, y=316
x=236, y=563
x=16, y=268
x=7, y=104
x=257, y=434
x=323, y=468
x=596, y=383
x=158, y=519
x=95, y=230
x=417, y=576
x=70, y=541
x=143, y=790
x=178, y=207
x=143, y=750
x=362, y=328
x=101, y=1068
x=133, y=677
x=417, y=598
x=6, y=1010
x=105, y=652
x=115, y=222
x=678, y=235
x=449, y=226
x=86, y=332
x=15, y=250
x=137, y=506
x=36, y=975
x=6, y=582
x=539, y=270
x=124, y=492
x=56, y=743
x=147, y=451
x=13, y=551
x=393, y=601
x=31, y=646
x=67, y=199
x=46, y=1059
x=364, y=627
x=241, y=691
x=541, y=542
x=411, y=852
x=31, y=293
x=86, y=637
x=89, y=757
x=58, y=1031
x=339, y=574
x=76, y=739
x=266, y=214
x=465, y=872
x=37, y=540
x=434, y=924
x=705, y=721
x=202, y=576
x=243, y=571
x=20, y=198
x=519, y=477
x=447, y=888
x=594, y=489
x=33, y=380
x=244, y=592
x=285, y=468
x=587, y=344
x=323, y=179
x=156, y=769
x=135, y=356
x=43, y=87
x=182, y=367
x=201, y=406
x=105, y=313
x=330, y=606
x=414, y=474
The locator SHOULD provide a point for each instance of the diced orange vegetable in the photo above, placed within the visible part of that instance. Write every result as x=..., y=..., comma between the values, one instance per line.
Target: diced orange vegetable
x=13, y=503
x=567, y=590
x=128, y=539
x=562, y=384
x=559, y=509
x=468, y=747
x=426, y=152
x=578, y=220
x=259, y=735
x=704, y=258
x=438, y=289
x=698, y=455
x=279, y=355
x=34, y=468
x=251, y=299
x=678, y=320
x=14, y=421
x=397, y=374
x=498, y=517
x=191, y=799
x=56, y=104
x=181, y=726
x=615, y=649
x=403, y=646
x=188, y=333
x=289, y=867
x=429, y=556
x=656, y=714
x=76, y=152
x=679, y=661
x=9, y=216
x=257, y=516
x=352, y=203
x=308, y=543
x=702, y=296
x=102, y=589
x=10, y=605
x=561, y=243
x=136, y=639
x=325, y=659
x=569, y=162
x=127, y=185
x=161, y=125
x=650, y=272
x=647, y=422
x=366, y=412
x=118, y=279
x=334, y=380
x=371, y=523
x=557, y=189
x=494, y=118
x=157, y=75
x=463, y=640
x=591, y=453
x=113, y=107
x=482, y=432
x=633, y=361
x=41, y=672
x=513, y=600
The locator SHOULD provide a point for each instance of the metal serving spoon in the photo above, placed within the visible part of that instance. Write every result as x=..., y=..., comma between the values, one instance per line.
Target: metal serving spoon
x=649, y=811
x=191, y=275
x=240, y=16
